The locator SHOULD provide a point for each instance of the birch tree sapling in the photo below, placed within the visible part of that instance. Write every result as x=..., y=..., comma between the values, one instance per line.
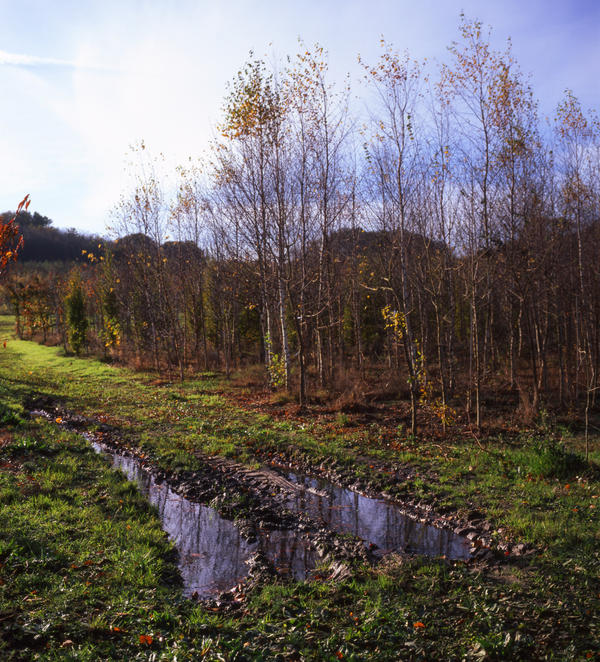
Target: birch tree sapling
x=473, y=87
x=323, y=114
x=579, y=140
x=251, y=181
x=393, y=158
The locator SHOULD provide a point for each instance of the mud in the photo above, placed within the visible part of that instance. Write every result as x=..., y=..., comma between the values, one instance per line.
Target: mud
x=236, y=525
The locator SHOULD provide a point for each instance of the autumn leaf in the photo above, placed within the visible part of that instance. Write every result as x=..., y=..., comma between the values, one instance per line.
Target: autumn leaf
x=146, y=639
x=418, y=625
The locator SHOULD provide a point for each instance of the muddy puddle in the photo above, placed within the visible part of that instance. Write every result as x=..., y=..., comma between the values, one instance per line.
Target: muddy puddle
x=213, y=555
x=375, y=521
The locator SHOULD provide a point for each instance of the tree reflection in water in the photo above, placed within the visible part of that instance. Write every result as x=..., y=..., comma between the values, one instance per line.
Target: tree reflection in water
x=213, y=555
x=374, y=521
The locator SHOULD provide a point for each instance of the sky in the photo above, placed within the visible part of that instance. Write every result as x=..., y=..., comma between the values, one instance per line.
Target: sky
x=83, y=80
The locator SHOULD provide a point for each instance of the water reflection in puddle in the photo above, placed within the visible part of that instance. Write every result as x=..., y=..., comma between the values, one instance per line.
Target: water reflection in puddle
x=213, y=555
x=374, y=521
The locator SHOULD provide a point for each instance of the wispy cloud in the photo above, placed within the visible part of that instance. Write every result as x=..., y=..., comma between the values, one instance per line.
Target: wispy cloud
x=19, y=60
x=34, y=61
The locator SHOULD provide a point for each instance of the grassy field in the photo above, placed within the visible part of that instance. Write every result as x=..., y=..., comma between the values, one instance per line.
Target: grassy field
x=86, y=573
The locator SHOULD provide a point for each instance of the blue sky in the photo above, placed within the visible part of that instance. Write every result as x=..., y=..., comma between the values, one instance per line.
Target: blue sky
x=82, y=80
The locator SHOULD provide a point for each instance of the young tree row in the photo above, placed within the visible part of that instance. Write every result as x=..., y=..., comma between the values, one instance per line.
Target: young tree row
x=450, y=236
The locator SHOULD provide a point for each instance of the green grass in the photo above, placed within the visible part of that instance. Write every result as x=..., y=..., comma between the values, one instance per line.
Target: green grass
x=85, y=569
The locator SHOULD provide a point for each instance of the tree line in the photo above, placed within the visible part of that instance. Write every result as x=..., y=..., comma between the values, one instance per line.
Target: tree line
x=444, y=241
x=43, y=243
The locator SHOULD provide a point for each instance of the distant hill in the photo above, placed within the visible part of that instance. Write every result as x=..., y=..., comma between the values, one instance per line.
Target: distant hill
x=44, y=243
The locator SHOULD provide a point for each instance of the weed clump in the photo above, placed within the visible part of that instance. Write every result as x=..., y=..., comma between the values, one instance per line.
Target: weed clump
x=9, y=416
x=550, y=458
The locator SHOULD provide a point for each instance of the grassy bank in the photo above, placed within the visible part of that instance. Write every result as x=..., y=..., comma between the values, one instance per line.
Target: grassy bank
x=86, y=573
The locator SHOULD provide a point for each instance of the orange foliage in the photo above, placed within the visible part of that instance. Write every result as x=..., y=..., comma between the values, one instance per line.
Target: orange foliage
x=11, y=240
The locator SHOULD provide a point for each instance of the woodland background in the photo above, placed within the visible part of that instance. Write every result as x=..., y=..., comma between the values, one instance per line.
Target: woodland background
x=435, y=240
